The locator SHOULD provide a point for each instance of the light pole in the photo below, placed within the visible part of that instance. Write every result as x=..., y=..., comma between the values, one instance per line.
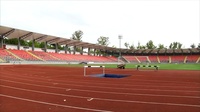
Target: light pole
x=120, y=37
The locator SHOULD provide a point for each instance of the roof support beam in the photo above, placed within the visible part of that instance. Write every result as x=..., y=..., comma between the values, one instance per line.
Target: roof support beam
x=26, y=35
x=63, y=42
x=40, y=38
x=8, y=33
x=52, y=40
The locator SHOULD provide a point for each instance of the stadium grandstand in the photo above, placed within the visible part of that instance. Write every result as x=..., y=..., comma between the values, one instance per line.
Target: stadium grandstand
x=27, y=54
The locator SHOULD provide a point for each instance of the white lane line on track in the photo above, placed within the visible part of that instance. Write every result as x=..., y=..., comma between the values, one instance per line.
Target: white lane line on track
x=90, y=99
x=106, y=87
x=68, y=89
x=137, y=94
x=161, y=81
x=104, y=99
x=54, y=104
x=101, y=91
x=146, y=84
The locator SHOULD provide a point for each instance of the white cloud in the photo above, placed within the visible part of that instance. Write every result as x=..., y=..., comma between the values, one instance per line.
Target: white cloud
x=163, y=21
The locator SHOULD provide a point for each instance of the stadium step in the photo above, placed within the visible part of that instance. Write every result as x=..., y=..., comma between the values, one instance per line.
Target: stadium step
x=14, y=55
x=158, y=59
x=137, y=59
x=148, y=59
x=170, y=59
x=1, y=60
x=53, y=57
x=198, y=60
x=35, y=56
x=185, y=59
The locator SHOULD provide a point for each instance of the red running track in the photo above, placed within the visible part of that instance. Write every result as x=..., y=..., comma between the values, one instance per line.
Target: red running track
x=34, y=88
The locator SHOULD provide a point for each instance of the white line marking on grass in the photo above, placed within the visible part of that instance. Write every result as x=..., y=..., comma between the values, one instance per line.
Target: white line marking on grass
x=105, y=99
x=54, y=104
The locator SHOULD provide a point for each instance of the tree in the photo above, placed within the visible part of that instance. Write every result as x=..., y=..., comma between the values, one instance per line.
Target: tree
x=138, y=47
x=150, y=45
x=114, y=46
x=175, y=45
x=141, y=46
x=103, y=40
x=161, y=46
x=179, y=45
x=193, y=45
x=41, y=45
x=132, y=46
x=126, y=45
x=77, y=35
x=13, y=41
x=170, y=46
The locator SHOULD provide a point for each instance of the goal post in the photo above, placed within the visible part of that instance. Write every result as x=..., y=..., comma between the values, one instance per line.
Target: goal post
x=100, y=69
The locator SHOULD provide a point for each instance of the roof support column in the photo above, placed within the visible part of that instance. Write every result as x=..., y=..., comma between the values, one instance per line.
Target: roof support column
x=81, y=50
x=33, y=44
x=88, y=51
x=56, y=45
x=1, y=41
x=66, y=48
x=74, y=49
x=45, y=46
x=95, y=52
x=100, y=52
x=18, y=46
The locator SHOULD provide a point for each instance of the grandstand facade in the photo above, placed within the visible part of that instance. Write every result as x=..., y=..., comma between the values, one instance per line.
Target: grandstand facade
x=11, y=53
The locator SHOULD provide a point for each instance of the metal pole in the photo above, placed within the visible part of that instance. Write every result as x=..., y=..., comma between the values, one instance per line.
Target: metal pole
x=120, y=37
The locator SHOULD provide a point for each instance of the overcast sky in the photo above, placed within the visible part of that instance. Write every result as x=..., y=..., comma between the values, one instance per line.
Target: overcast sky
x=162, y=21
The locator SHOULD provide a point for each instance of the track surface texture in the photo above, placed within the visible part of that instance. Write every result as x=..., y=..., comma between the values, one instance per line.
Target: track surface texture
x=36, y=88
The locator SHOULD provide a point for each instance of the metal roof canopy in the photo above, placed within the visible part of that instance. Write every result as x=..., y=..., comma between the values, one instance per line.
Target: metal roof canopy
x=10, y=33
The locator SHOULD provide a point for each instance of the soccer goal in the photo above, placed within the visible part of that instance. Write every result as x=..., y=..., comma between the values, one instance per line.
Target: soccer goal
x=94, y=70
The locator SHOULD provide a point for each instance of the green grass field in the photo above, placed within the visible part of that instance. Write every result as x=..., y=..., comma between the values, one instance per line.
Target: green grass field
x=161, y=66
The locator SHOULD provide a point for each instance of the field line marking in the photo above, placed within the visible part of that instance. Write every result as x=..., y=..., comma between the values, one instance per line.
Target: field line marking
x=53, y=104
